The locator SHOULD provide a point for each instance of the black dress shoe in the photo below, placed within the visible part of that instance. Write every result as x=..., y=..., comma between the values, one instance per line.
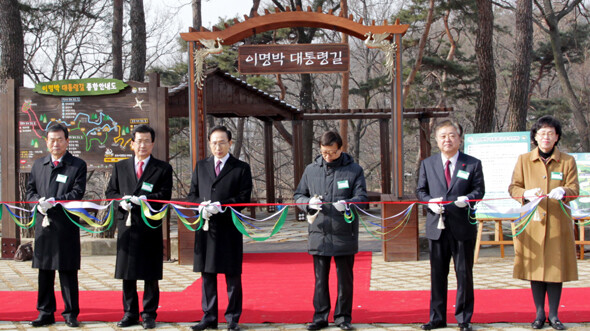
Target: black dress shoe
x=317, y=325
x=557, y=325
x=433, y=325
x=202, y=325
x=42, y=321
x=345, y=326
x=72, y=322
x=127, y=321
x=538, y=324
x=233, y=327
x=149, y=323
x=465, y=327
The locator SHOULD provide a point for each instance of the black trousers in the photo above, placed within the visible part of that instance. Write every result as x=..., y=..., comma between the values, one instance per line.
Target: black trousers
x=151, y=299
x=462, y=252
x=209, y=298
x=68, y=280
x=321, y=295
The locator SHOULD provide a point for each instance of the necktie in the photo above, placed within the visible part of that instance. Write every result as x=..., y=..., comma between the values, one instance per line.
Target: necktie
x=448, y=172
x=140, y=170
x=218, y=168
x=55, y=163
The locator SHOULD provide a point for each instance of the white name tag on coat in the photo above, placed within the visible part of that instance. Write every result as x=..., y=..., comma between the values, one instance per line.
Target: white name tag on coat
x=463, y=174
x=147, y=187
x=343, y=184
x=61, y=178
x=557, y=175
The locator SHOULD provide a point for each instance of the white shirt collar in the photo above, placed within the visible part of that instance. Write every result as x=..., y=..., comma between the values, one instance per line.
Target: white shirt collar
x=223, y=160
x=145, y=161
x=453, y=159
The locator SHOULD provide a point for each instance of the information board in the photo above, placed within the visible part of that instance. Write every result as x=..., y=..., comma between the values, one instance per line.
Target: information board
x=99, y=126
x=498, y=153
x=581, y=206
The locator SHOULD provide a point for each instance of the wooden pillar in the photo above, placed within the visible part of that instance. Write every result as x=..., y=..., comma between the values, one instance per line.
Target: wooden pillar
x=9, y=166
x=159, y=122
x=385, y=156
x=269, y=165
x=345, y=84
x=298, y=165
x=192, y=99
x=396, y=119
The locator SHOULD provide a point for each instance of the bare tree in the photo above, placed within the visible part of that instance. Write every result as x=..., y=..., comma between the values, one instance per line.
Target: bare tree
x=11, y=43
x=484, y=117
x=117, y=42
x=197, y=20
x=138, y=41
x=552, y=19
x=518, y=101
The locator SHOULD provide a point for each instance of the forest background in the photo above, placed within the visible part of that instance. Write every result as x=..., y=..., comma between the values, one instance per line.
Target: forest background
x=499, y=64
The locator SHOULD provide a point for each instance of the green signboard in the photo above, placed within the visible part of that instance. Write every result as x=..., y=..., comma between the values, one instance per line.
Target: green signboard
x=81, y=87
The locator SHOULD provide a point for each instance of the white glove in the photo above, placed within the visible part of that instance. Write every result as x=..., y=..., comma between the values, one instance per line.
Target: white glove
x=461, y=201
x=136, y=199
x=46, y=203
x=340, y=205
x=315, y=203
x=125, y=205
x=40, y=205
x=556, y=193
x=435, y=207
x=532, y=194
x=213, y=208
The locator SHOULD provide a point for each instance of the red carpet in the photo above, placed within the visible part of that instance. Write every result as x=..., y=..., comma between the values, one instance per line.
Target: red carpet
x=278, y=287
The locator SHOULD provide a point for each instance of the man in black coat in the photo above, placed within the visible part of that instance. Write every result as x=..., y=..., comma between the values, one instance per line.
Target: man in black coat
x=55, y=177
x=219, y=180
x=334, y=178
x=140, y=247
x=450, y=176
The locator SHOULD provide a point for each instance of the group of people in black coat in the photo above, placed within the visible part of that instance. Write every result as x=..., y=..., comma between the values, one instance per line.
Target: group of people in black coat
x=219, y=180
x=328, y=186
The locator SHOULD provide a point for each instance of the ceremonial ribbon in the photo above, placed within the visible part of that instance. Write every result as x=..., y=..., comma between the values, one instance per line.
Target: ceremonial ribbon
x=78, y=208
x=238, y=223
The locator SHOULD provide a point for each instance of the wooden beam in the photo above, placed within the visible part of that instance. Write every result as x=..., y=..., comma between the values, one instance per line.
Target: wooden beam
x=9, y=164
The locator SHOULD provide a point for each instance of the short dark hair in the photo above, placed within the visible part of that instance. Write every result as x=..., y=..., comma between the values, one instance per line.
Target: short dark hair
x=221, y=128
x=546, y=121
x=59, y=127
x=330, y=138
x=143, y=128
x=452, y=123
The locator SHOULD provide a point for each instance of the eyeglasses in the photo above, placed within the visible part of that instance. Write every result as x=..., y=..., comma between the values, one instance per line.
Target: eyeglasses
x=218, y=143
x=327, y=153
x=143, y=142
x=548, y=134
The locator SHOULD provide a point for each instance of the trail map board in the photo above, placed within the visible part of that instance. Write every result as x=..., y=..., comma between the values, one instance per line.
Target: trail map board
x=99, y=126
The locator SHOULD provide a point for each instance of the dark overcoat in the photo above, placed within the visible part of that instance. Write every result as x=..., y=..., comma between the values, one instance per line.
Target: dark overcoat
x=432, y=184
x=140, y=248
x=57, y=247
x=330, y=234
x=220, y=249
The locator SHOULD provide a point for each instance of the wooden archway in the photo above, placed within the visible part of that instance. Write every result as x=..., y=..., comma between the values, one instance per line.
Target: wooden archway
x=389, y=35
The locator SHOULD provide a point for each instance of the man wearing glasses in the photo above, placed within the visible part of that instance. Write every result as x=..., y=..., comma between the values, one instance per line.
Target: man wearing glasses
x=140, y=247
x=328, y=186
x=218, y=181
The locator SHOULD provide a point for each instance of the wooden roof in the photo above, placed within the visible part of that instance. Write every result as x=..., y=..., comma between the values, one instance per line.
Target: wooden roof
x=229, y=96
